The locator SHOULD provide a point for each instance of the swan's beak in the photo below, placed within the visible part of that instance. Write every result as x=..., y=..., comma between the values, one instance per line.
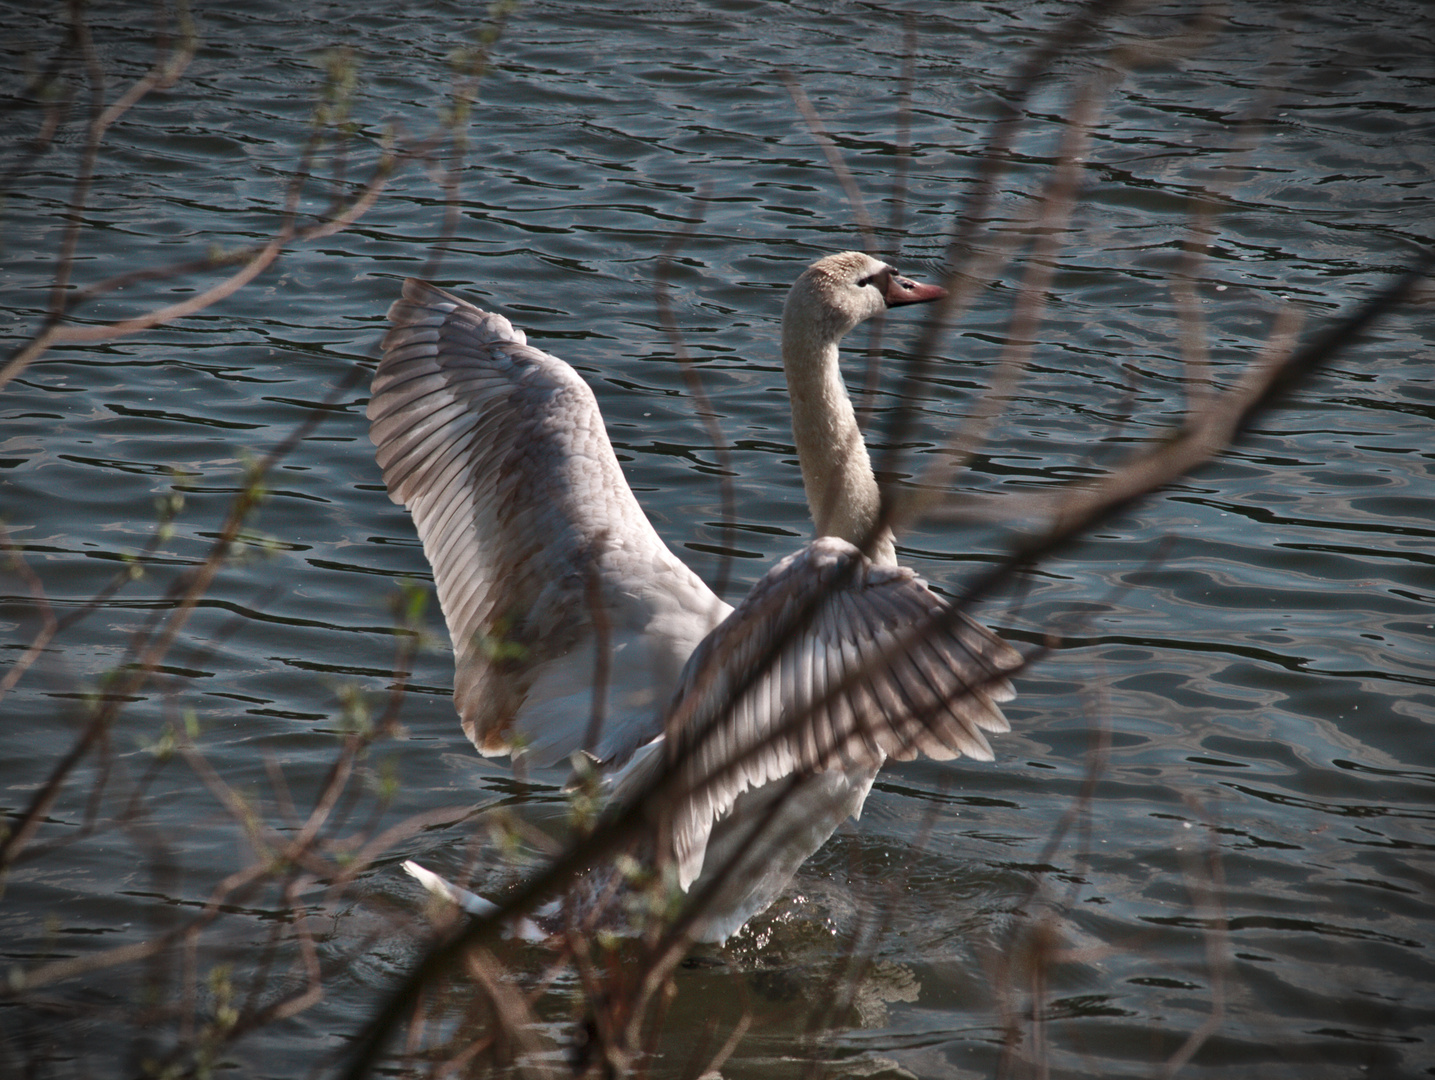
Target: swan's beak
x=902, y=290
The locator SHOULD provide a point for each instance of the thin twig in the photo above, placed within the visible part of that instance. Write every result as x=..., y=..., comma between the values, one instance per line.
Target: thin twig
x=867, y=400
x=834, y=161
x=721, y=450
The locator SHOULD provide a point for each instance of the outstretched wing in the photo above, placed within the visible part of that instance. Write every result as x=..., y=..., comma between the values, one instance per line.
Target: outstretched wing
x=831, y=662
x=551, y=578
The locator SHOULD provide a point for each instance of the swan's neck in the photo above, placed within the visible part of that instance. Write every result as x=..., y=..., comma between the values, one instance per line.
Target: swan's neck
x=841, y=489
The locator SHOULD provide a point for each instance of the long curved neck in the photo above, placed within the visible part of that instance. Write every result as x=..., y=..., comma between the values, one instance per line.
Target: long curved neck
x=842, y=491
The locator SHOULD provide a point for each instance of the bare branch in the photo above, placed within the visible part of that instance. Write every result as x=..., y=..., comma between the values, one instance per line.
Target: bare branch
x=834, y=161
x=1051, y=217
x=705, y=411
x=48, y=623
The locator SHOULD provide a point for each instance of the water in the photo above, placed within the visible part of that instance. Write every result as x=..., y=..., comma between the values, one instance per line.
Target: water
x=1255, y=641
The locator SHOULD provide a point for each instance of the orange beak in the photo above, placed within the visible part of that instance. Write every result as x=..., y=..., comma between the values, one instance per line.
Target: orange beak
x=902, y=290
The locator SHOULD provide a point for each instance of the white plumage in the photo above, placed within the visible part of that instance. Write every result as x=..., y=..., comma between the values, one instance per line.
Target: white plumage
x=553, y=581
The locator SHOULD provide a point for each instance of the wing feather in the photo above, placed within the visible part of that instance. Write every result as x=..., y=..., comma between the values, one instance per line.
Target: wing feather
x=880, y=668
x=499, y=452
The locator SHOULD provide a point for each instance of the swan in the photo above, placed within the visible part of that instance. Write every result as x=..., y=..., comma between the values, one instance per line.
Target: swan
x=576, y=629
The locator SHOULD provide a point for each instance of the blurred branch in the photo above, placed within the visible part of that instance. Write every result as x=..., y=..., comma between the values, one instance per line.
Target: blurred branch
x=290, y=857
x=251, y=261
x=968, y=264
x=470, y=63
x=624, y=1003
x=48, y=623
x=1071, y=511
x=705, y=411
x=867, y=400
x=834, y=161
x=1206, y=882
x=1062, y=516
x=150, y=647
x=165, y=71
x=1051, y=219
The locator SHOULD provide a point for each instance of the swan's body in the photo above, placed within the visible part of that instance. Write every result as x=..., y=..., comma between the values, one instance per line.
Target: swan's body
x=553, y=582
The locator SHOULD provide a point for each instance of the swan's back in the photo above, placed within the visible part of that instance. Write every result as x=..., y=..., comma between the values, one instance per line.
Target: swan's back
x=551, y=578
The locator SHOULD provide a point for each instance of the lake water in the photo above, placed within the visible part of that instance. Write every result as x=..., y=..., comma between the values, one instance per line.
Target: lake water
x=1255, y=641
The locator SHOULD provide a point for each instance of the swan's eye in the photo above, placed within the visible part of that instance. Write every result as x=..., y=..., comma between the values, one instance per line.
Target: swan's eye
x=878, y=280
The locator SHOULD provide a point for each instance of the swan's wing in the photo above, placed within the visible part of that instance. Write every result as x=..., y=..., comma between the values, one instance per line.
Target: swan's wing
x=880, y=669
x=551, y=578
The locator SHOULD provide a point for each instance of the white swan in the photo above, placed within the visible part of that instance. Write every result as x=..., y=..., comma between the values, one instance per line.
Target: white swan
x=554, y=584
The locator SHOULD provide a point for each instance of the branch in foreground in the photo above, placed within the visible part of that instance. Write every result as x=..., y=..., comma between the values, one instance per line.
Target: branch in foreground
x=1270, y=379
x=1073, y=511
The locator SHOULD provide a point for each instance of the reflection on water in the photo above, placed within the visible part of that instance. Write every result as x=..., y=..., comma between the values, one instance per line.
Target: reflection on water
x=1255, y=642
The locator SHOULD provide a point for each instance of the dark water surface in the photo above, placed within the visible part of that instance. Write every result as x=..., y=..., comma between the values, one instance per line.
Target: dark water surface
x=1257, y=639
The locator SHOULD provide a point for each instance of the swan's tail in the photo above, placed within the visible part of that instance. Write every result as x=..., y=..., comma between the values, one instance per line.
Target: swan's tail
x=470, y=902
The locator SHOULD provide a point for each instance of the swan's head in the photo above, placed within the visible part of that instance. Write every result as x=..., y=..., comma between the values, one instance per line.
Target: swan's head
x=839, y=291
